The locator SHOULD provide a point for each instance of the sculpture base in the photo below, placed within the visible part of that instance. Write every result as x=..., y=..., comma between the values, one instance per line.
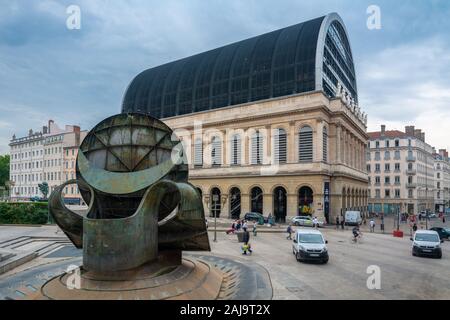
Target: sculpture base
x=192, y=279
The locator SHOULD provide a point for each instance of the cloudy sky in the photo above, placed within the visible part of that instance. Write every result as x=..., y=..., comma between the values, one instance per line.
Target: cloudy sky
x=79, y=76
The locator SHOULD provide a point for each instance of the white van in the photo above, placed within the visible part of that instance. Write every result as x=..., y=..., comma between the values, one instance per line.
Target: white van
x=426, y=243
x=353, y=218
x=309, y=244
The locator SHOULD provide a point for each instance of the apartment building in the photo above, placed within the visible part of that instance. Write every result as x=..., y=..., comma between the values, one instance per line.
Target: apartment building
x=401, y=171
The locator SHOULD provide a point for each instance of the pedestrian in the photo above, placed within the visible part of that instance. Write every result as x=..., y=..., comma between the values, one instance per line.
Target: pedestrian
x=246, y=247
x=337, y=222
x=232, y=229
x=238, y=225
x=254, y=229
x=342, y=223
x=244, y=225
x=289, y=232
x=414, y=227
x=315, y=222
x=372, y=225
x=443, y=218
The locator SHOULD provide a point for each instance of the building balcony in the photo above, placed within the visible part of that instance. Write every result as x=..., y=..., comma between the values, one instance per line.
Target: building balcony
x=397, y=183
x=411, y=185
x=387, y=183
x=411, y=159
x=411, y=171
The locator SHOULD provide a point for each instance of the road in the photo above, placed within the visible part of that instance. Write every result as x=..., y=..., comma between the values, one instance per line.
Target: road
x=344, y=277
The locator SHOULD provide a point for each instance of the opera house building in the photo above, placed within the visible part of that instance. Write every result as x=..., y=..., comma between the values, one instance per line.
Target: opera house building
x=270, y=124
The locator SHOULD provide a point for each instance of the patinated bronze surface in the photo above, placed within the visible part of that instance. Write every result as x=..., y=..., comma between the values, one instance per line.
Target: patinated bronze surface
x=131, y=171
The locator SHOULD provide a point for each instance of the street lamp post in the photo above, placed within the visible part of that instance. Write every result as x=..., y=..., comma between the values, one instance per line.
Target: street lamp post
x=209, y=202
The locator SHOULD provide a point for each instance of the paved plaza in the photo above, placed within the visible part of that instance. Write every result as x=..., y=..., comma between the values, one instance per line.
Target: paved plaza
x=344, y=277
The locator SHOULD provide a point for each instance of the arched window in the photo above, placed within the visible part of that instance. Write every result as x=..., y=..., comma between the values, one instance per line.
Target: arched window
x=198, y=152
x=256, y=200
x=280, y=146
x=305, y=144
x=216, y=151
x=235, y=150
x=325, y=144
x=235, y=203
x=257, y=148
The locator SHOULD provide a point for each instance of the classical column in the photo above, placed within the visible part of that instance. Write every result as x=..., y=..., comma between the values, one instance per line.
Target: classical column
x=292, y=205
x=245, y=203
x=338, y=142
x=246, y=150
x=318, y=143
x=268, y=147
x=268, y=204
x=225, y=148
x=291, y=145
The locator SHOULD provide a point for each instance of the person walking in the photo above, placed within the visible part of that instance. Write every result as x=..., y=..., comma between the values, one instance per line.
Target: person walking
x=372, y=225
x=238, y=225
x=414, y=227
x=342, y=223
x=254, y=229
x=289, y=232
x=315, y=222
x=244, y=225
x=246, y=239
x=337, y=222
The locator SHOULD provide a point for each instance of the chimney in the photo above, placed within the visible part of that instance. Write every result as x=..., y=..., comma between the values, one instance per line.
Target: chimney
x=423, y=136
x=418, y=133
x=383, y=129
x=44, y=129
x=409, y=130
x=50, y=122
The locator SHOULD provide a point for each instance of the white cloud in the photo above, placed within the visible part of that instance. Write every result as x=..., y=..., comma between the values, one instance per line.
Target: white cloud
x=409, y=85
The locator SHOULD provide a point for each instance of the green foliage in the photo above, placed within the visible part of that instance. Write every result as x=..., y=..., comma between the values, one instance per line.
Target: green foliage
x=43, y=187
x=4, y=169
x=23, y=213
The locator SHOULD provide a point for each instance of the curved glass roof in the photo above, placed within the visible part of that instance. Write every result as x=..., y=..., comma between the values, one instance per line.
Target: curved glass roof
x=278, y=63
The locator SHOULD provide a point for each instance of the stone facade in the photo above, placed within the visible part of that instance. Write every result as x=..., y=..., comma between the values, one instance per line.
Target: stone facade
x=401, y=171
x=289, y=184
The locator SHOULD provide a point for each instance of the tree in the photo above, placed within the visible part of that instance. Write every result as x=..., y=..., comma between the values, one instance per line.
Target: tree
x=43, y=187
x=4, y=169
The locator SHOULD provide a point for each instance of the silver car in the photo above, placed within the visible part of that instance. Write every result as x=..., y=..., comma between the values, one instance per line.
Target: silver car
x=305, y=221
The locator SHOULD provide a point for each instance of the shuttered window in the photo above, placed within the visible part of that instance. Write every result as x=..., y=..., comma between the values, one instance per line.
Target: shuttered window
x=325, y=144
x=198, y=153
x=305, y=144
x=236, y=150
x=279, y=146
x=216, y=151
x=257, y=148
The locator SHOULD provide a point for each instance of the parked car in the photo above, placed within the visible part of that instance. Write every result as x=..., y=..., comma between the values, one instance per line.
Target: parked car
x=444, y=233
x=426, y=243
x=305, y=221
x=353, y=218
x=255, y=216
x=309, y=244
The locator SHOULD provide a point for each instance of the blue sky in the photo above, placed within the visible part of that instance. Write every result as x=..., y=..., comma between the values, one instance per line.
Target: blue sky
x=79, y=76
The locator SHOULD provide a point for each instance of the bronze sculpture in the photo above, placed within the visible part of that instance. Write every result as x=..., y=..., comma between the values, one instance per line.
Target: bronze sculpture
x=132, y=171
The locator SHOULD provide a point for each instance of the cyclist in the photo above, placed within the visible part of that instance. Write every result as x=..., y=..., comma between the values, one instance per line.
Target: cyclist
x=356, y=233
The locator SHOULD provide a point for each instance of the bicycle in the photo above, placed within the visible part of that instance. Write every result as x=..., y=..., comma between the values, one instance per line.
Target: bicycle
x=357, y=239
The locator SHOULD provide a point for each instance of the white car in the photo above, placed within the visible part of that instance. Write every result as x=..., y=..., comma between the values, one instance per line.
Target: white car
x=309, y=244
x=427, y=243
x=305, y=221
